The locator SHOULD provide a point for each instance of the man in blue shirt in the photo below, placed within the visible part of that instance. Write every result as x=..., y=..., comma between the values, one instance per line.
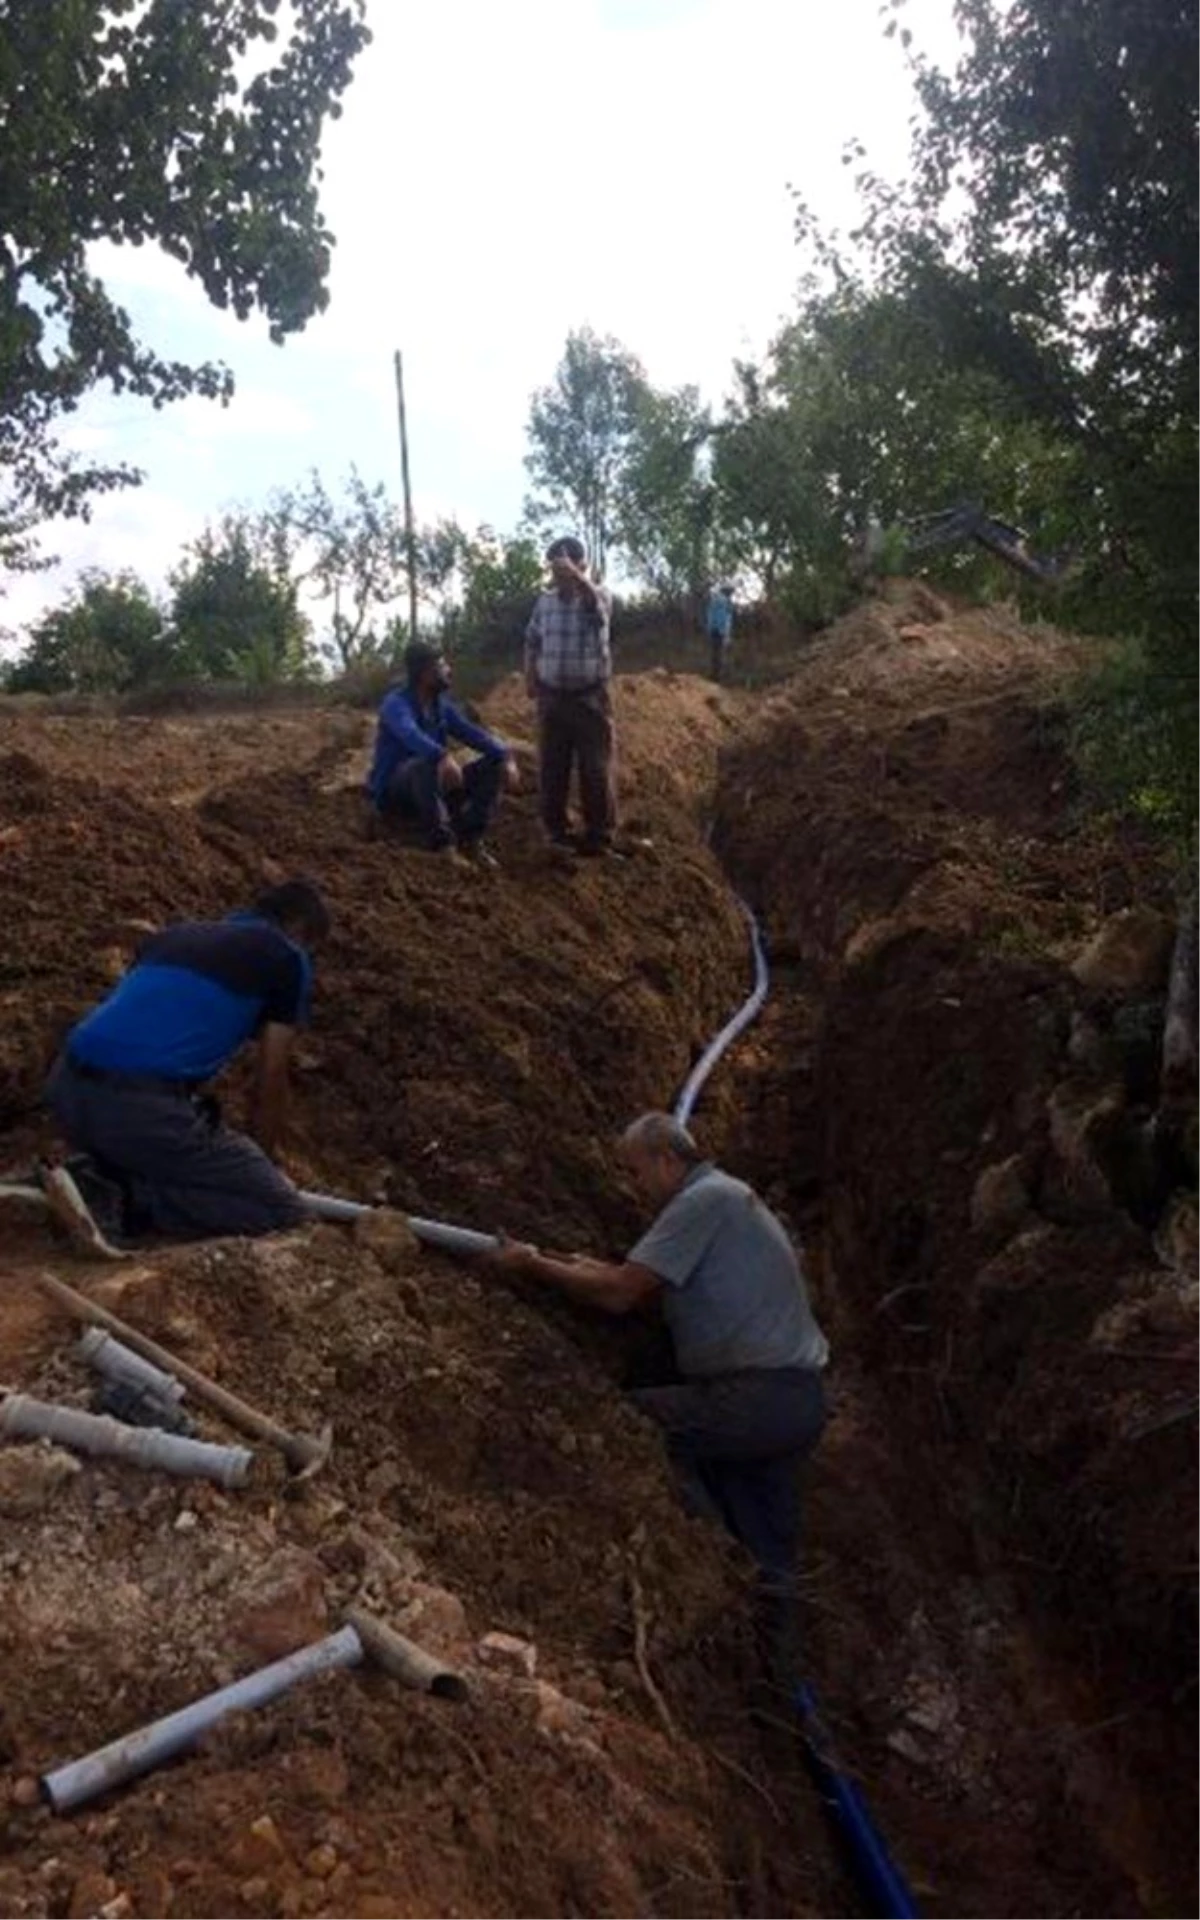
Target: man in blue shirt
x=126, y=1090
x=414, y=774
x=719, y=622
x=746, y=1405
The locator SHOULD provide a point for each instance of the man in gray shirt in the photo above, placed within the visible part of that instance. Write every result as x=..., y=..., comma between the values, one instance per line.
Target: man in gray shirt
x=748, y=1404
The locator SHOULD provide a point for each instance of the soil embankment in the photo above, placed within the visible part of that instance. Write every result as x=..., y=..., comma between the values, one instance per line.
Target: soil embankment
x=998, y=1595
x=964, y=1069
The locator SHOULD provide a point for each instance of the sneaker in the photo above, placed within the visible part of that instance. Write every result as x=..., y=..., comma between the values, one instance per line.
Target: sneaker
x=71, y=1212
x=599, y=850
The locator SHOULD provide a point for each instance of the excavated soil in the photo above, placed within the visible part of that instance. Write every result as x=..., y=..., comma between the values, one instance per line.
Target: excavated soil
x=476, y=1040
x=1006, y=1604
x=998, y=1602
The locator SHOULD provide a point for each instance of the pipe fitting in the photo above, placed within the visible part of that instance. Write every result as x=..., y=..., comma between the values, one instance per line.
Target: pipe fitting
x=116, y=1362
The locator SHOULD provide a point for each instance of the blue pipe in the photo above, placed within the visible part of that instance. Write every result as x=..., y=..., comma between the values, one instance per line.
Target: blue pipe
x=882, y=1884
x=880, y=1880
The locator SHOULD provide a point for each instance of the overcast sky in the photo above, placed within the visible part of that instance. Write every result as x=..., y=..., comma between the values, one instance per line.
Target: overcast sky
x=500, y=175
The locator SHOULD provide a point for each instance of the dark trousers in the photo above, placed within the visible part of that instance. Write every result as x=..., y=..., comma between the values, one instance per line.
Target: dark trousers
x=718, y=643
x=578, y=727
x=736, y=1443
x=461, y=815
x=183, y=1172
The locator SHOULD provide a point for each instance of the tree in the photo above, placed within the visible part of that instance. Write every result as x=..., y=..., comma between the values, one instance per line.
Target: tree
x=1046, y=244
x=665, y=497
x=235, y=607
x=500, y=578
x=157, y=122
x=353, y=552
x=580, y=430
x=109, y=636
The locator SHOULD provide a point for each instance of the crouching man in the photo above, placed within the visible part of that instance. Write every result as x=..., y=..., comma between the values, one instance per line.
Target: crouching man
x=127, y=1089
x=748, y=1404
x=414, y=775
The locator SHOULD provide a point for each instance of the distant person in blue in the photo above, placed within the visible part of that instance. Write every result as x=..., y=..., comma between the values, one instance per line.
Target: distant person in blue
x=719, y=625
x=127, y=1090
x=414, y=774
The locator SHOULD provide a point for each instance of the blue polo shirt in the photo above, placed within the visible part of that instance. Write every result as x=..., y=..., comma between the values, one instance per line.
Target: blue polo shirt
x=409, y=731
x=194, y=995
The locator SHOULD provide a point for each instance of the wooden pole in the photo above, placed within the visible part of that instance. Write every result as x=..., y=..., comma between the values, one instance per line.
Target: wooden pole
x=410, y=541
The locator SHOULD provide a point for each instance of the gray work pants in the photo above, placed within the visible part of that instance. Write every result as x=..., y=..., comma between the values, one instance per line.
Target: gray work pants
x=185, y=1174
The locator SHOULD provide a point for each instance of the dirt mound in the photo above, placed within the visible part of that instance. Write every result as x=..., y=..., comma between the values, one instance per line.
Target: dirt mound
x=475, y=1035
x=476, y=1039
x=484, y=1479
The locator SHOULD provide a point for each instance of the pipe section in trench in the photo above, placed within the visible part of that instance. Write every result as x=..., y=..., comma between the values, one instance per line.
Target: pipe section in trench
x=882, y=1884
x=880, y=1880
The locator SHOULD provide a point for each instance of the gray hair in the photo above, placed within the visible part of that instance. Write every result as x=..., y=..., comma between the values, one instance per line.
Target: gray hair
x=659, y=1133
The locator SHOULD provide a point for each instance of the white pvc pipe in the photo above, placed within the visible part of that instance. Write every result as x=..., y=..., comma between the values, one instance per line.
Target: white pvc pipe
x=434, y=1233
x=748, y=1011
x=136, y=1753
x=24, y=1418
x=116, y=1362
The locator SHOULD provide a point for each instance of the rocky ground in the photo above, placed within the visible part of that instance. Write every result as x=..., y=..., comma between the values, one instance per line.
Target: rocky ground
x=950, y=1096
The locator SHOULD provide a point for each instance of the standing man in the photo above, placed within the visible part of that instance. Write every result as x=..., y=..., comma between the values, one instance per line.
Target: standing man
x=568, y=668
x=747, y=1406
x=719, y=623
x=414, y=774
x=126, y=1090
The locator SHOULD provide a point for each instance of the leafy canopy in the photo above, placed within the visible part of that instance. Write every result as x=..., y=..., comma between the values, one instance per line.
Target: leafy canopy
x=195, y=126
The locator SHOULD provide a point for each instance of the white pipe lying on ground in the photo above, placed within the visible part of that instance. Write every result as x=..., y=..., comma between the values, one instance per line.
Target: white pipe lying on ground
x=24, y=1418
x=117, y=1362
x=434, y=1233
x=135, y=1753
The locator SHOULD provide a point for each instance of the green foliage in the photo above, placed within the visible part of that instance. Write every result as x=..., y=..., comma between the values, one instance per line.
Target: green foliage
x=1133, y=736
x=665, y=499
x=109, y=636
x=352, y=552
x=580, y=431
x=163, y=123
x=1056, y=217
x=235, y=607
x=854, y=419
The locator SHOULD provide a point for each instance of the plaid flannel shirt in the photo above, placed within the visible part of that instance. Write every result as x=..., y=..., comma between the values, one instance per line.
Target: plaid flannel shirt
x=566, y=642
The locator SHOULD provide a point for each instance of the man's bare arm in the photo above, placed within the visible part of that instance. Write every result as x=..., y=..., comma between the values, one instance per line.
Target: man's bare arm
x=613, y=1286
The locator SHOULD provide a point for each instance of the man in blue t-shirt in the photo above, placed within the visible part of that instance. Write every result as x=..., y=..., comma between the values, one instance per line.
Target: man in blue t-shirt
x=414, y=773
x=127, y=1088
x=746, y=1404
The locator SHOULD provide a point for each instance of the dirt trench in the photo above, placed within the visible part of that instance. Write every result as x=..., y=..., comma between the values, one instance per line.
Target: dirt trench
x=953, y=1109
x=998, y=1564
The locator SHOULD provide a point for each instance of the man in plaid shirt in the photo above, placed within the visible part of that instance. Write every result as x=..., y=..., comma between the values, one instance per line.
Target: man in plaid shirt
x=568, y=667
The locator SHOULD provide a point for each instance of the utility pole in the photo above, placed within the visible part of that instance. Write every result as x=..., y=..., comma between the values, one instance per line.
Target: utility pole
x=410, y=539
